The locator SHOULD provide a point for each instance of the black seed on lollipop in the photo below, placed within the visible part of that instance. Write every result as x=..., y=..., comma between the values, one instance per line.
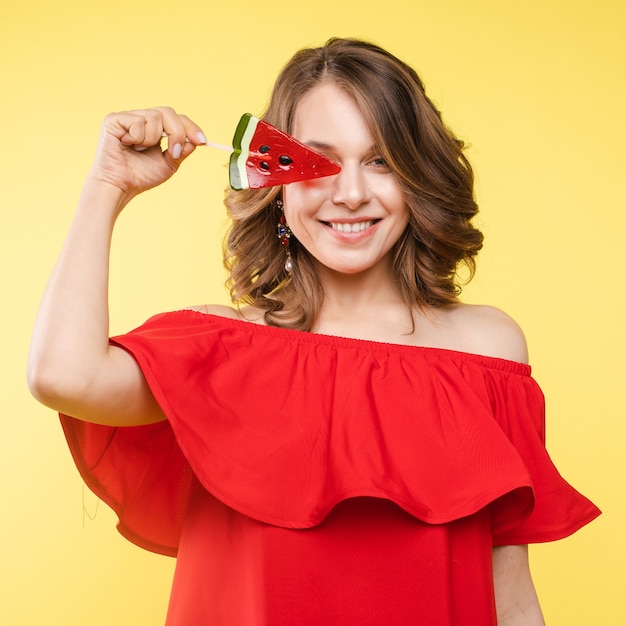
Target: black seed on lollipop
x=264, y=165
x=285, y=160
x=264, y=149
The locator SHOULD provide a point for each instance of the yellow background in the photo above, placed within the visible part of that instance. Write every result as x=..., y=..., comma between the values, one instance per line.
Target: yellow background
x=536, y=87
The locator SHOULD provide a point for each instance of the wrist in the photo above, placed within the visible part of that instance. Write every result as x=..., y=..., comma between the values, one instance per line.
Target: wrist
x=103, y=197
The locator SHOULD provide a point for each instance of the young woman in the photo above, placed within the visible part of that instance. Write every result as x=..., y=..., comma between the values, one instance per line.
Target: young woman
x=348, y=444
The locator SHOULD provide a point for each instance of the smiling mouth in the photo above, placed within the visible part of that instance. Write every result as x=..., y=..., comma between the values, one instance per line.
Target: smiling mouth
x=356, y=227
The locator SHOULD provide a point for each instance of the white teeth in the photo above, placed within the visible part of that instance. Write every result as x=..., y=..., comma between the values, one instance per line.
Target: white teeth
x=351, y=228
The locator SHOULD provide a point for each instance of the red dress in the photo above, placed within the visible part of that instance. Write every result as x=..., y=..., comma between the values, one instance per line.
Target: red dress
x=308, y=479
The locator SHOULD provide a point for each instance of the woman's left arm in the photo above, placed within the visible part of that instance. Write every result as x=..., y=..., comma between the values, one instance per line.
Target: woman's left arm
x=516, y=598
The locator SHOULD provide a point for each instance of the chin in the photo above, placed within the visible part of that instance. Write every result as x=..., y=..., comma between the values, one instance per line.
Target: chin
x=350, y=270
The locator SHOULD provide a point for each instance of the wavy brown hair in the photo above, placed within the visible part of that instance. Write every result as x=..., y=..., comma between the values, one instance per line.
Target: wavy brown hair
x=426, y=158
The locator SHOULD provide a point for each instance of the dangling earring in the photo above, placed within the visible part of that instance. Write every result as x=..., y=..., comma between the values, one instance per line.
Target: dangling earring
x=284, y=234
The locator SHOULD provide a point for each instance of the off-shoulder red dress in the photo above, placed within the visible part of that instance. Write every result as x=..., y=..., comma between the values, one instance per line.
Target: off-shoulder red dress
x=308, y=479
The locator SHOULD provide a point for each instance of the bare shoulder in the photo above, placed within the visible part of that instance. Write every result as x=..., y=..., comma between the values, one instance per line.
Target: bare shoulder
x=215, y=309
x=246, y=314
x=490, y=331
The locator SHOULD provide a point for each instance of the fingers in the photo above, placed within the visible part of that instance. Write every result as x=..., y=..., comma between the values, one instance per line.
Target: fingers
x=144, y=128
x=183, y=135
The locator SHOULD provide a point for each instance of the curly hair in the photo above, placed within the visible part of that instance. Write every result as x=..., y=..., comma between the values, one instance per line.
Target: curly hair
x=424, y=155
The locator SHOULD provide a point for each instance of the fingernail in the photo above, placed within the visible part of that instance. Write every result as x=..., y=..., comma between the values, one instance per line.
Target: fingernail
x=201, y=137
x=176, y=151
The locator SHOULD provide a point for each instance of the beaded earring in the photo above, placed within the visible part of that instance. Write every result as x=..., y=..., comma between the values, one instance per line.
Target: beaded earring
x=284, y=234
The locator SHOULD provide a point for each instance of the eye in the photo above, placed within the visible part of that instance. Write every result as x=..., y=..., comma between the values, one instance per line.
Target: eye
x=379, y=162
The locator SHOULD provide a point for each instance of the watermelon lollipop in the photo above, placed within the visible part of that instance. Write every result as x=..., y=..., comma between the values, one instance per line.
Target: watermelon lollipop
x=265, y=156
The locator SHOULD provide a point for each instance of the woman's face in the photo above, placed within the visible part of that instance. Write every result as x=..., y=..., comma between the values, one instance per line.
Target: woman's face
x=348, y=222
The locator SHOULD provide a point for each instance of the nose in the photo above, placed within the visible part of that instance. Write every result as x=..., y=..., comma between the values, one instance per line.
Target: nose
x=351, y=187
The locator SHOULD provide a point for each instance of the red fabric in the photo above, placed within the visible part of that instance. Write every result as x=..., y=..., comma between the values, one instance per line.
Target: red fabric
x=310, y=479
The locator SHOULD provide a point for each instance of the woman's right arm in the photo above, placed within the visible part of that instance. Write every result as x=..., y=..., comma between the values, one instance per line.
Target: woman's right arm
x=71, y=366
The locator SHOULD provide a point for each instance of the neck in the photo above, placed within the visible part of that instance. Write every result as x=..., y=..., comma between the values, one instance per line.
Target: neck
x=362, y=304
x=354, y=291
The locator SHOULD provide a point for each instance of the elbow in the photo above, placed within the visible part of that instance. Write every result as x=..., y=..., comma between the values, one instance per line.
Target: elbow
x=52, y=385
x=42, y=383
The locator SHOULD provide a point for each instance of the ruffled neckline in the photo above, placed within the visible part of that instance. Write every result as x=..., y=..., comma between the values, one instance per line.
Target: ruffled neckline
x=288, y=334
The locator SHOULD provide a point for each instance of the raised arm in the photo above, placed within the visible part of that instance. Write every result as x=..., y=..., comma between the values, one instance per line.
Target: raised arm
x=71, y=366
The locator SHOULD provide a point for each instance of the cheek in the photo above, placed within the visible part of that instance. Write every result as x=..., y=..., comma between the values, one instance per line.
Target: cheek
x=397, y=205
x=294, y=202
x=393, y=192
x=399, y=201
x=302, y=199
x=291, y=200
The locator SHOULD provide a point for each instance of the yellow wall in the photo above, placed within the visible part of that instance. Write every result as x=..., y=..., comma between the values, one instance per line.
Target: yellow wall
x=536, y=87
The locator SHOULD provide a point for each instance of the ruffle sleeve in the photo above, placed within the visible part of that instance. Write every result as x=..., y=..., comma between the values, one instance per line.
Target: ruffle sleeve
x=282, y=425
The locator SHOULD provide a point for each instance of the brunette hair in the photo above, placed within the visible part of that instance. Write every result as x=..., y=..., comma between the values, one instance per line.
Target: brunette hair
x=422, y=152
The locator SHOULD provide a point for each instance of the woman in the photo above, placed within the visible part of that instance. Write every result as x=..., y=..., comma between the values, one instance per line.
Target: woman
x=349, y=444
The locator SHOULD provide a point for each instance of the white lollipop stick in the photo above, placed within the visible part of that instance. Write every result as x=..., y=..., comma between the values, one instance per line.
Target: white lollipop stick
x=219, y=146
